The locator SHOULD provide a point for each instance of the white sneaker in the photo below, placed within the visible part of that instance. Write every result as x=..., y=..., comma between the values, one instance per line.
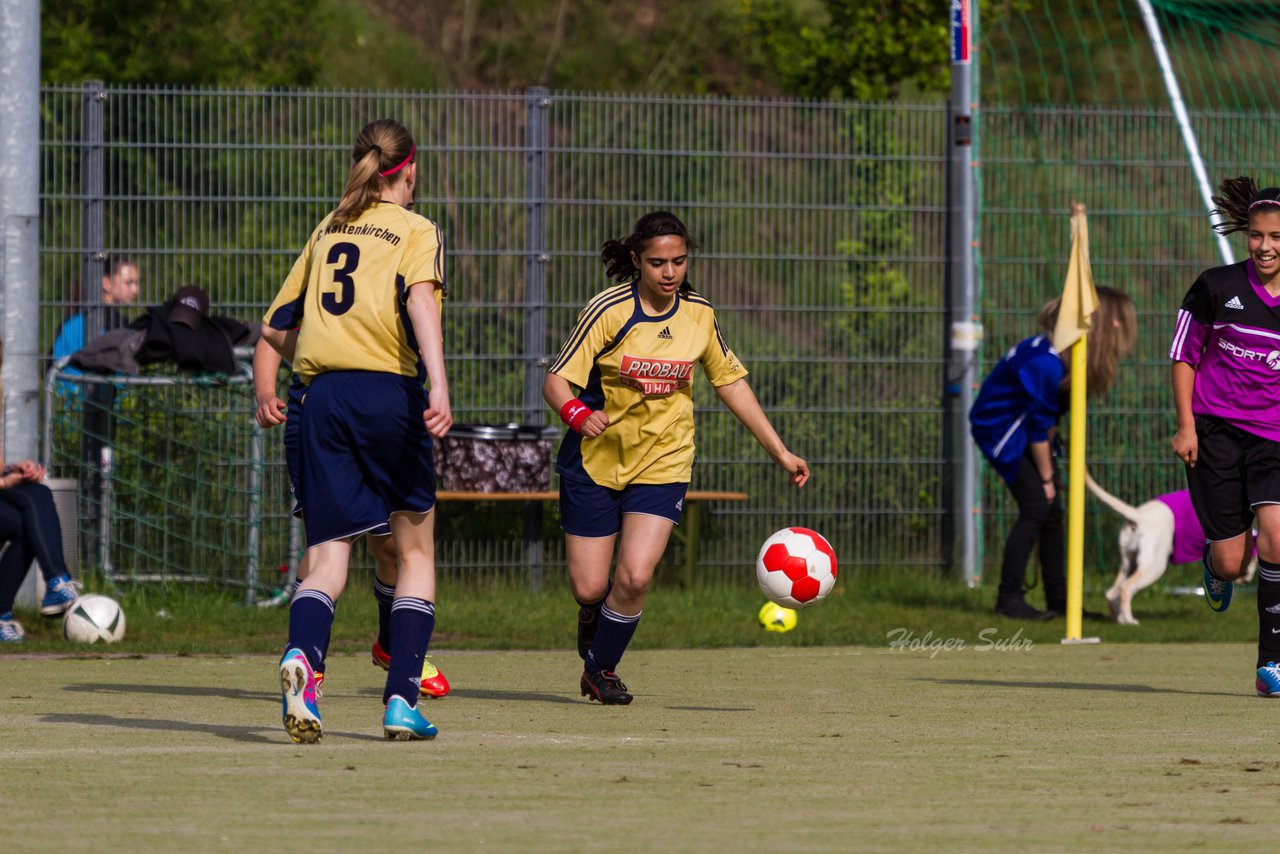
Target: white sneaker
x=11, y=630
x=298, y=691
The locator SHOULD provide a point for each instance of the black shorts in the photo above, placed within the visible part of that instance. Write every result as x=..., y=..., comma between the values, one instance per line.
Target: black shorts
x=1235, y=471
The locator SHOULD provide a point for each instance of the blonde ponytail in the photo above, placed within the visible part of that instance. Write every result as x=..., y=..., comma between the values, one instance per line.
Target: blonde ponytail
x=381, y=150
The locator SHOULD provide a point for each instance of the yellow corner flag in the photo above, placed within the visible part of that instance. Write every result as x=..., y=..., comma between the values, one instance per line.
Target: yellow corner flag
x=1079, y=297
x=1079, y=302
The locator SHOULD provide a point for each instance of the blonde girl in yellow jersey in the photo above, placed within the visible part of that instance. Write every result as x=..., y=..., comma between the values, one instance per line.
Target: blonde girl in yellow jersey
x=627, y=457
x=369, y=284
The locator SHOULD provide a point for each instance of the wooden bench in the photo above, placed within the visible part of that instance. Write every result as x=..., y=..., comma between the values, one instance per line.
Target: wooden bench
x=689, y=531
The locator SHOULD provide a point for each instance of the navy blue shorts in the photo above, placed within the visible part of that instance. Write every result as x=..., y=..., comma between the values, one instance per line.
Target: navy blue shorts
x=293, y=450
x=365, y=453
x=590, y=510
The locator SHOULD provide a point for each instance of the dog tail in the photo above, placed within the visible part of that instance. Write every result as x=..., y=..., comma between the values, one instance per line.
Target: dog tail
x=1128, y=511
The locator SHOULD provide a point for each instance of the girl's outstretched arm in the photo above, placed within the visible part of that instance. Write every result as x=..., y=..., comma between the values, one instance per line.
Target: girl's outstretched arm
x=741, y=401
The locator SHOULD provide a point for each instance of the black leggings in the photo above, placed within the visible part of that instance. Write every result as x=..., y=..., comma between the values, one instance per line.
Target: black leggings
x=1038, y=521
x=29, y=522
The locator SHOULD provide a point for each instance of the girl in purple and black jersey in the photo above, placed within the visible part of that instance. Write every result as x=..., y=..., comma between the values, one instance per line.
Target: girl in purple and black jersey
x=1226, y=389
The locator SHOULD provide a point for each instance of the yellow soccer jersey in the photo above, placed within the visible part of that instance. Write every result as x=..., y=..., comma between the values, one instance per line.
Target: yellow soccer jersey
x=639, y=369
x=350, y=283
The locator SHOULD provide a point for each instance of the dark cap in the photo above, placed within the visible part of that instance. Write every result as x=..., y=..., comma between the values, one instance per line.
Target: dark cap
x=190, y=306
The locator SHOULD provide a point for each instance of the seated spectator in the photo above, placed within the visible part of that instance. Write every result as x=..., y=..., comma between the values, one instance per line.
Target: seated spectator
x=29, y=522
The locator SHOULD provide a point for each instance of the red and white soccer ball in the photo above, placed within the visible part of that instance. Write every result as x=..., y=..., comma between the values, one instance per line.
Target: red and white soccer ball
x=796, y=567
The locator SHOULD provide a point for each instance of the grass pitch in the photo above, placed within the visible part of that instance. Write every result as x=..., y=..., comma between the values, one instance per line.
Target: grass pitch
x=1003, y=744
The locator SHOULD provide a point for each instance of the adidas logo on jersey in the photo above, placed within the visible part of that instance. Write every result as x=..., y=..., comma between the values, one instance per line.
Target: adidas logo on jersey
x=665, y=333
x=1234, y=302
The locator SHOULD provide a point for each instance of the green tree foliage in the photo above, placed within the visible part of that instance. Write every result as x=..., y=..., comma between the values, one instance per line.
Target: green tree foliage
x=864, y=50
x=266, y=43
x=859, y=49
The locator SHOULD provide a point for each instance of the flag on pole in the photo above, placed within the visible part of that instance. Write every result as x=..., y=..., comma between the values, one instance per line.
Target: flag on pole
x=1079, y=297
x=1079, y=302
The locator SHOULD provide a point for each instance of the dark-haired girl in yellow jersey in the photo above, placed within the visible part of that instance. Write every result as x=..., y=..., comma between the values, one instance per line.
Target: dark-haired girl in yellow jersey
x=369, y=283
x=626, y=460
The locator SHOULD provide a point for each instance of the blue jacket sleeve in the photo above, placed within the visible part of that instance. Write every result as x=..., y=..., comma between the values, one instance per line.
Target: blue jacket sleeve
x=1042, y=379
x=70, y=337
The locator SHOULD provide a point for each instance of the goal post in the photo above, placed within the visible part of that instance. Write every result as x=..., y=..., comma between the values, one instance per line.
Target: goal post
x=171, y=475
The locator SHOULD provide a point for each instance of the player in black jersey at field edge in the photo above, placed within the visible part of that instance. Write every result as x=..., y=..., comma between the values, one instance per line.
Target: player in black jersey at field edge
x=1226, y=388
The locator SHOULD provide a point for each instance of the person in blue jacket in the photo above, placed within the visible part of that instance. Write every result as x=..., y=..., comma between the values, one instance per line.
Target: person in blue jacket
x=1014, y=422
x=119, y=288
x=96, y=400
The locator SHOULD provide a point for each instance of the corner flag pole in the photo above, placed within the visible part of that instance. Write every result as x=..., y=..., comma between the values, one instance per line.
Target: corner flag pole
x=1079, y=301
x=1075, y=494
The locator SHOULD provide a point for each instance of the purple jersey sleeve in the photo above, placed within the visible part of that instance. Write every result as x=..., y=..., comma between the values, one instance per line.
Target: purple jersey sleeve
x=1195, y=321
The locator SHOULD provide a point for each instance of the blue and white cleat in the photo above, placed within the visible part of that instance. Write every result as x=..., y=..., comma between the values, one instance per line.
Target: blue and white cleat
x=1268, y=681
x=10, y=629
x=403, y=722
x=298, y=691
x=59, y=596
x=1217, y=592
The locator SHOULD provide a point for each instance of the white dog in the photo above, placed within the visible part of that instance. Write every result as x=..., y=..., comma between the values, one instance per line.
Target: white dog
x=1161, y=531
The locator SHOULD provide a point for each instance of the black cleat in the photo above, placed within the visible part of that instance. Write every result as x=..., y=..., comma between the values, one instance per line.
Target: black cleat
x=605, y=687
x=1018, y=609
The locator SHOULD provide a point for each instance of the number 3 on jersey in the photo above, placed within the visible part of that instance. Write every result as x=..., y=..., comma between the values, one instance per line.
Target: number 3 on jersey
x=339, y=301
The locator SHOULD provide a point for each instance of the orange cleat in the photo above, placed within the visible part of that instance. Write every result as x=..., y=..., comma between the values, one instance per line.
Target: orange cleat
x=433, y=683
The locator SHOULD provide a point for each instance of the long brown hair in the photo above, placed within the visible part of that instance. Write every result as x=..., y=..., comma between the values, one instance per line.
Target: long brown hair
x=379, y=155
x=1112, y=333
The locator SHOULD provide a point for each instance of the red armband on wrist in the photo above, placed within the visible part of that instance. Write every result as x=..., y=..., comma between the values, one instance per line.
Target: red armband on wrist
x=574, y=413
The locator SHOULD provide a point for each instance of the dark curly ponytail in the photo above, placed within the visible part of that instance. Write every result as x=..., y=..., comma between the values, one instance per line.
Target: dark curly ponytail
x=1237, y=198
x=616, y=254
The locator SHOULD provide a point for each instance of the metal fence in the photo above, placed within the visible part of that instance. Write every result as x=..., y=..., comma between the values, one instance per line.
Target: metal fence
x=821, y=232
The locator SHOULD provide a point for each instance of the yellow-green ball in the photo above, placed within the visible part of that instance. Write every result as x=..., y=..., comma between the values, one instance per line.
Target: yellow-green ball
x=775, y=618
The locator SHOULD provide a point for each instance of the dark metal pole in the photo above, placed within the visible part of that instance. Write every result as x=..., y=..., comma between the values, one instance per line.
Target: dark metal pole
x=537, y=257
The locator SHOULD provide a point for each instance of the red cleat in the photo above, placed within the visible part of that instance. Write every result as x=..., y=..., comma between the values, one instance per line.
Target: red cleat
x=433, y=683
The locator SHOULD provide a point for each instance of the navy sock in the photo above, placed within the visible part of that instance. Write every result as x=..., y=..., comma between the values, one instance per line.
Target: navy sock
x=612, y=636
x=292, y=590
x=384, y=595
x=1268, y=612
x=310, y=622
x=589, y=617
x=412, y=621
